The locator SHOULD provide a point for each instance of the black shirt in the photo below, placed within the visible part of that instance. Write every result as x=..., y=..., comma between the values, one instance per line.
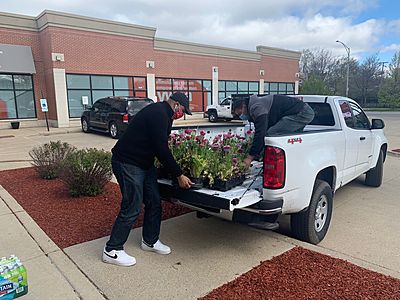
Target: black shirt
x=147, y=138
x=281, y=106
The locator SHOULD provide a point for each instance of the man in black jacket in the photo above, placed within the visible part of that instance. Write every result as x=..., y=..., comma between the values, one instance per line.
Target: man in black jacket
x=133, y=165
x=272, y=115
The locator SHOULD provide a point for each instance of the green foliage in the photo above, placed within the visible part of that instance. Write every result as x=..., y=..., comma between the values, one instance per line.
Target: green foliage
x=389, y=91
x=314, y=86
x=48, y=159
x=87, y=171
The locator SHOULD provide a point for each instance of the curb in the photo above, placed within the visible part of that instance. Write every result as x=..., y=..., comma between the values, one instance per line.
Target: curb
x=72, y=130
x=78, y=281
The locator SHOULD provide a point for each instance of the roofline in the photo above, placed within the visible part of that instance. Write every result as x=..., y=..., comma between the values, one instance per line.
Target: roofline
x=50, y=18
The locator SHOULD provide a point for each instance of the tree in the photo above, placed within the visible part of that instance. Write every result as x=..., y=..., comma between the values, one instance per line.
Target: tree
x=389, y=91
x=314, y=86
x=367, y=80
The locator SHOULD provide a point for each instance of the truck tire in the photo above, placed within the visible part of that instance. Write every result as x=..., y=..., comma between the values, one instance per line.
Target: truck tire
x=114, y=130
x=212, y=116
x=312, y=224
x=374, y=176
x=85, y=125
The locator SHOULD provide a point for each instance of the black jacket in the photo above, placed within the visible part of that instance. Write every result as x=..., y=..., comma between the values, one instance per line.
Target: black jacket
x=281, y=106
x=147, y=138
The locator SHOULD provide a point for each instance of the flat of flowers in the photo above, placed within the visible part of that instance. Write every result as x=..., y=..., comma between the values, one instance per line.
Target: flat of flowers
x=304, y=274
x=67, y=220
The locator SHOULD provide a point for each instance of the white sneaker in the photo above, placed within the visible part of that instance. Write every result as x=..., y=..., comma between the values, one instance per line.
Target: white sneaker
x=158, y=247
x=118, y=257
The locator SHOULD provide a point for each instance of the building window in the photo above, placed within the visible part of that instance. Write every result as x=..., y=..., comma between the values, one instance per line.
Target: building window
x=17, y=100
x=226, y=88
x=99, y=86
x=198, y=91
x=284, y=88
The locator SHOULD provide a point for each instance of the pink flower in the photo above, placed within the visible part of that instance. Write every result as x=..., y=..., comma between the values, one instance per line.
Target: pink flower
x=188, y=131
x=188, y=137
x=235, y=160
x=178, y=143
x=202, y=132
x=250, y=131
x=227, y=148
x=214, y=146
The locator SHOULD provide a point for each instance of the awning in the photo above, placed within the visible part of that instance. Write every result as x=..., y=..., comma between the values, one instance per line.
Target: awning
x=16, y=59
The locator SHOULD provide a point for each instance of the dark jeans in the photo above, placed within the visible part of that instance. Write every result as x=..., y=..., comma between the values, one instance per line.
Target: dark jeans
x=293, y=123
x=137, y=186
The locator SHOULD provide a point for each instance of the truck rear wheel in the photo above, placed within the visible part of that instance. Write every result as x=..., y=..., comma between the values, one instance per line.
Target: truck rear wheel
x=312, y=224
x=212, y=116
x=374, y=176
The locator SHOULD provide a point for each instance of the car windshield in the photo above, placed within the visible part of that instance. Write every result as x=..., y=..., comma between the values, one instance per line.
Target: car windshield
x=134, y=106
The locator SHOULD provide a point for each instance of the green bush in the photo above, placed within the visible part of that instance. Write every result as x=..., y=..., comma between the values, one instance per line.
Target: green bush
x=87, y=171
x=48, y=159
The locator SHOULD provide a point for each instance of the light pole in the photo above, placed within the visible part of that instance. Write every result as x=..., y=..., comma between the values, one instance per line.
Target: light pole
x=348, y=65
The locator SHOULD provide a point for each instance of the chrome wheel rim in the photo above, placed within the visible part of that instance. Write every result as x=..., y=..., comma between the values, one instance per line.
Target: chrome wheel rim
x=321, y=213
x=212, y=117
x=84, y=125
x=113, y=130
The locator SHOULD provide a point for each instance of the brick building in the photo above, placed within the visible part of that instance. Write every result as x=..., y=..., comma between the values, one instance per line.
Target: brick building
x=64, y=58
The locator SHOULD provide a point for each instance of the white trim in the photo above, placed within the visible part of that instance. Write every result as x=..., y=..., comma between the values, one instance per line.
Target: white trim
x=60, y=88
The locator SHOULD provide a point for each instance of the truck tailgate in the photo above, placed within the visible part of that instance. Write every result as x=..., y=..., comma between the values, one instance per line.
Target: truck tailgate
x=250, y=192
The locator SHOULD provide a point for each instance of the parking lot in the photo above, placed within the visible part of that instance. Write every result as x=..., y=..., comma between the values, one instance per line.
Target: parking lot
x=210, y=252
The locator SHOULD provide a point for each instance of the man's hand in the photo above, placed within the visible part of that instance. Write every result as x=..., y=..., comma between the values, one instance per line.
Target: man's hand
x=184, y=182
x=248, y=161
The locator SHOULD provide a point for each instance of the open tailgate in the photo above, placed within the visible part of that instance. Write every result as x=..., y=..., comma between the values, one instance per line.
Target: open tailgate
x=249, y=193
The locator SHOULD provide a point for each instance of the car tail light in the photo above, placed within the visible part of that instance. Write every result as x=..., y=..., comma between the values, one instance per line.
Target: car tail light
x=125, y=118
x=274, y=168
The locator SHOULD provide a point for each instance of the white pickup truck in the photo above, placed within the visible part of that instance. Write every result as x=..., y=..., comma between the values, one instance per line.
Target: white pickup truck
x=300, y=172
x=220, y=111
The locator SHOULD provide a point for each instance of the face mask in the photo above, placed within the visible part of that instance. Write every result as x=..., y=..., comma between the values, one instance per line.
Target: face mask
x=244, y=117
x=178, y=113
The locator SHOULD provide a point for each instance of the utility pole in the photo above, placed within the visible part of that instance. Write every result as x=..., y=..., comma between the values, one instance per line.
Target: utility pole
x=348, y=65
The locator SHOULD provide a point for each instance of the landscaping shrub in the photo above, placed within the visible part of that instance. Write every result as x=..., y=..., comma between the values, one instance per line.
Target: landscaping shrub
x=48, y=159
x=87, y=171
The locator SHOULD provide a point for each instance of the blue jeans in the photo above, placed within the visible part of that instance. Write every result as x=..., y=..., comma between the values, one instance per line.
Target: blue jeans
x=137, y=186
x=293, y=123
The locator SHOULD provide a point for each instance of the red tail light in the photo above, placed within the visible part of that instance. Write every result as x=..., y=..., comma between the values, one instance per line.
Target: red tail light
x=125, y=118
x=274, y=168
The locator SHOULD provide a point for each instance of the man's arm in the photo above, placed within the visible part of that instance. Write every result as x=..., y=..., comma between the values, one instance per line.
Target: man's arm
x=261, y=126
x=159, y=131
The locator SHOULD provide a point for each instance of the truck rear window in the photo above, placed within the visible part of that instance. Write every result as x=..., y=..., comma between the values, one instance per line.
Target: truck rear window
x=323, y=114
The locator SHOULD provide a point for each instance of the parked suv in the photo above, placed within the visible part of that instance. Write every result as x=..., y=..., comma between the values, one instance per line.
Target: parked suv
x=112, y=114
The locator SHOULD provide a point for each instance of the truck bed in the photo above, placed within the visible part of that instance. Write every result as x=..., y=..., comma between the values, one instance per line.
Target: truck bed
x=247, y=194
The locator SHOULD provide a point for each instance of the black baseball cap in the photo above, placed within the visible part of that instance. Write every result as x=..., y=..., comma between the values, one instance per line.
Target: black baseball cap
x=182, y=100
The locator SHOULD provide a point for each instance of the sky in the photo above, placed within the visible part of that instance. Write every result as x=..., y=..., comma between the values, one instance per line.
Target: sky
x=368, y=27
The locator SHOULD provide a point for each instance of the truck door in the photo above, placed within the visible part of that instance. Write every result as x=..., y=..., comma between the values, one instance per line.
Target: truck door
x=225, y=108
x=363, y=128
x=352, y=140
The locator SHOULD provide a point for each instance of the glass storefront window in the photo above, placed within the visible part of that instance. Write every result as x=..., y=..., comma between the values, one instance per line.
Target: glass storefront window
x=290, y=88
x=75, y=102
x=179, y=85
x=163, y=84
x=243, y=86
x=98, y=94
x=273, y=86
x=195, y=85
x=25, y=104
x=139, y=83
x=6, y=82
x=122, y=83
x=102, y=82
x=78, y=81
x=231, y=86
x=101, y=86
x=282, y=87
x=7, y=105
x=207, y=85
x=253, y=86
x=17, y=100
x=22, y=82
x=221, y=85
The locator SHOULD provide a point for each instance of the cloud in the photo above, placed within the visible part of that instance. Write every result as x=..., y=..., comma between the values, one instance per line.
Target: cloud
x=290, y=24
x=390, y=48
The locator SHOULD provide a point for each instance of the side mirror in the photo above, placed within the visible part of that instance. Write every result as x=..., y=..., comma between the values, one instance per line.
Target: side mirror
x=377, y=124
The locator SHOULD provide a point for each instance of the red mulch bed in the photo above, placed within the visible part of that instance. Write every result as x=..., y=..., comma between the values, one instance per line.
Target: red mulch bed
x=66, y=220
x=304, y=274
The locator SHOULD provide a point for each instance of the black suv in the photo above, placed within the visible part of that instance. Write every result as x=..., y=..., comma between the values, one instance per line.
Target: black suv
x=112, y=114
